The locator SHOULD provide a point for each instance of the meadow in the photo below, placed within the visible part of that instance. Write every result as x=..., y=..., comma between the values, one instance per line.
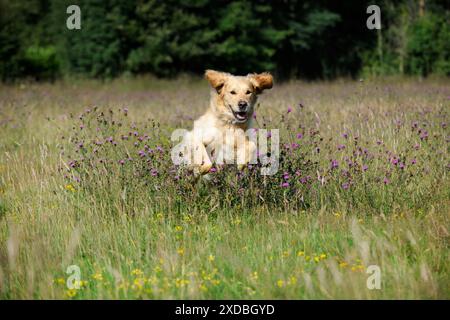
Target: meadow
x=86, y=179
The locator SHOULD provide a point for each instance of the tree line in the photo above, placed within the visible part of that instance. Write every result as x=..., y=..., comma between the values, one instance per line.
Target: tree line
x=307, y=39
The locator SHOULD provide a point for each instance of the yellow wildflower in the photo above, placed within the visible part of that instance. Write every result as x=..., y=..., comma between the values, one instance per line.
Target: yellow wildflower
x=280, y=283
x=254, y=275
x=138, y=283
x=285, y=254
x=178, y=228
x=137, y=272
x=97, y=276
x=357, y=268
x=211, y=258
x=215, y=282
x=292, y=280
x=323, y=256
x=181, y=282
x=180, y=251
x=70, y=187
x=343, y=264
x=157, y=269
x=60, y=281
x=71, y=293
x=80, y=284
x=300, y=253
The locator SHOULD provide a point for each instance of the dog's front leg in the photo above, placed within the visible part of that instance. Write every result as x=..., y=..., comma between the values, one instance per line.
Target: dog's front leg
x=199, y=160
x=246, y=154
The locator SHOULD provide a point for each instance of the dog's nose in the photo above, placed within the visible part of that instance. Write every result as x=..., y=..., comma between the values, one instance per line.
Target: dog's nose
x=242, y=105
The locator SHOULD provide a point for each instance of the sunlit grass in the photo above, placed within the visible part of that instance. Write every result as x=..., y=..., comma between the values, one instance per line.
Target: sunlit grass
x=375, y=193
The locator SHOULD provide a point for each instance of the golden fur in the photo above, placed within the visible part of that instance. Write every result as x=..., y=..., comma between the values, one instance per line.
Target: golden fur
x=221, y=130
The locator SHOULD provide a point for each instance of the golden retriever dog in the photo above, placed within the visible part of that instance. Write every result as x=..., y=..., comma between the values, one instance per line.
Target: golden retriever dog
x=221, y=133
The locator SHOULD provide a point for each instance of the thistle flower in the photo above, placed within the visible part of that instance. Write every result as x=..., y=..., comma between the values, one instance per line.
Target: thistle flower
x=334, y=164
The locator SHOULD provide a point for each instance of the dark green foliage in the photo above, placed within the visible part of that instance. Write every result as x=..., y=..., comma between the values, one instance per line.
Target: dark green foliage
x=312, y=39
x=429, y=46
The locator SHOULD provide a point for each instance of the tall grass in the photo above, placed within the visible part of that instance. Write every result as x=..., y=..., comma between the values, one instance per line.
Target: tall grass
x=86, y=179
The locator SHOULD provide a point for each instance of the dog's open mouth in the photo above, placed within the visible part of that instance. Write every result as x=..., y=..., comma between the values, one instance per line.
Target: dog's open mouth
x=240, y=116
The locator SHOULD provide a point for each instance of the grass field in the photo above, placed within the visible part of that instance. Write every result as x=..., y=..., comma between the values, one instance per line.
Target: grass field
x=86, y=179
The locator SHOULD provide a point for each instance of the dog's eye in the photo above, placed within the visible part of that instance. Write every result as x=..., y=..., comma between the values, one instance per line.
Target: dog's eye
x=233, y=92
x=248, y=92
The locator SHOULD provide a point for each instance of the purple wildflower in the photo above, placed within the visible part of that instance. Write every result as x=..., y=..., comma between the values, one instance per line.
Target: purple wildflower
x=334, y=164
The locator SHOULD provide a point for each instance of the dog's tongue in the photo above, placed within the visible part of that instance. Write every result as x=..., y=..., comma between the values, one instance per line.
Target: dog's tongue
x=241, y=115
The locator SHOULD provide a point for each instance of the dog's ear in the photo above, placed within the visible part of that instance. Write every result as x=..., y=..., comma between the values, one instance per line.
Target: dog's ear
x=261, y=81
x=216, y=79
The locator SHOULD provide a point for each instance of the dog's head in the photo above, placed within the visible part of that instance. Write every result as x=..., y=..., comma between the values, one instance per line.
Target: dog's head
x=236, y=95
